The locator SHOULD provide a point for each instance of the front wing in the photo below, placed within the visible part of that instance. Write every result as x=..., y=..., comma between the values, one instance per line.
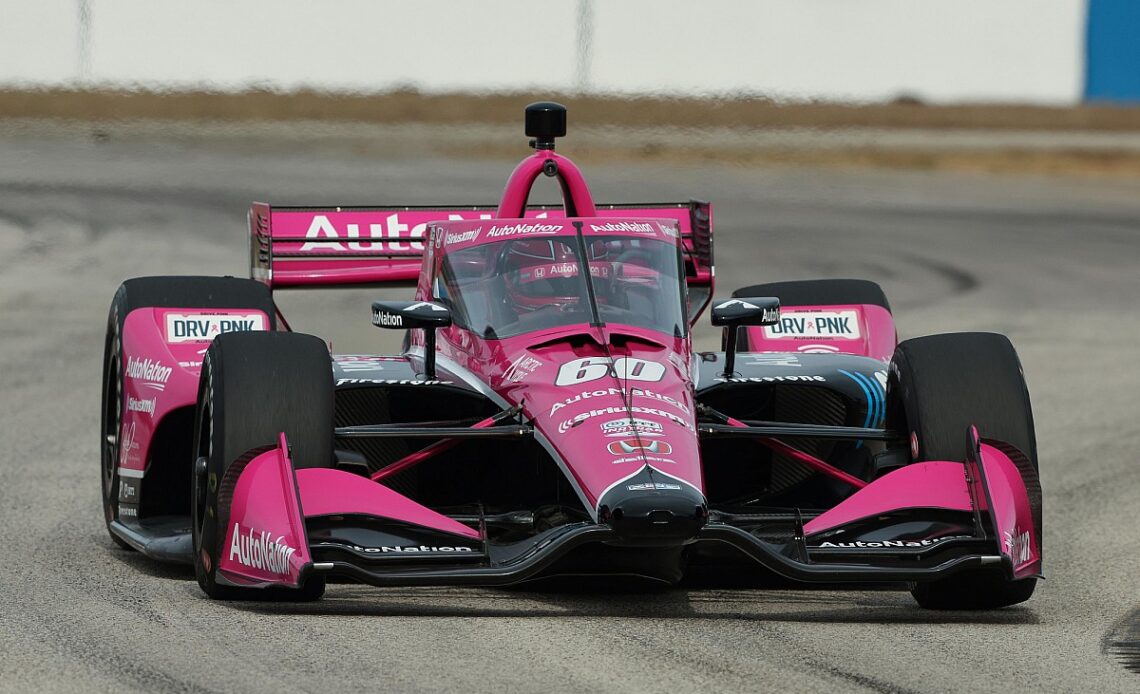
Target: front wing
x=919, y=523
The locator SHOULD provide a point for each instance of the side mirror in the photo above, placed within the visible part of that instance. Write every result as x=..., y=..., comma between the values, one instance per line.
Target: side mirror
x=737, y=312
x=406, y=315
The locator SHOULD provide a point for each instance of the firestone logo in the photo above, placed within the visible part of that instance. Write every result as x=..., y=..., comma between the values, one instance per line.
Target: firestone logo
x=258, y=550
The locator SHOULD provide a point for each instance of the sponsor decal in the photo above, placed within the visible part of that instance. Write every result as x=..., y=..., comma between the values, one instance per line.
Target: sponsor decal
x=617, y=431
x=678, y=361
x=842, y=325
x=634, y=227
x=427, y=304
x=669, y=230
x=127, y=443
x=628, y=427
x=631, y=446
x=204, y=327
x=817, y=349
x=258, y=550
x=773, y=379
x=621, y=392
x=885, y=544
x=652, y=486
x=1017, y=545
x=463, y=236
x=643, y=459
x=773, y=359
x=190, y=364
x=149, y=370
x=389, y=382
x=350, y=363
x=136, y=405
x=396, y=236
x=593, y=368
x=387, y=320
x=128, y=512
x=412, y=549
x=128, y=491
x=520, y=368
x=519, y=229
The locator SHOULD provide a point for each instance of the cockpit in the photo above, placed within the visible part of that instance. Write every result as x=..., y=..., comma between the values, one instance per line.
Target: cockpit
x=509, y=287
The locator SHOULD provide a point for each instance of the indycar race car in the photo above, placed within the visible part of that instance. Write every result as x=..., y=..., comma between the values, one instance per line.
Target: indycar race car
x=548, y=415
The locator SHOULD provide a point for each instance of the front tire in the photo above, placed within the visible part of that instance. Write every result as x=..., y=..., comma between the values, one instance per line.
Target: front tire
x=938, y=386
x=254, y=386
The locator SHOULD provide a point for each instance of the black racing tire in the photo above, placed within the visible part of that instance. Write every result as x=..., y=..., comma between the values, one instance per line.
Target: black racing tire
x=162, y=292
x=824, y=292
x=255, y=385
x=936, y=388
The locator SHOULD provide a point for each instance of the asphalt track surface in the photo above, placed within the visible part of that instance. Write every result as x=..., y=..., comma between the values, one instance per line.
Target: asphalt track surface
x=1050, y=262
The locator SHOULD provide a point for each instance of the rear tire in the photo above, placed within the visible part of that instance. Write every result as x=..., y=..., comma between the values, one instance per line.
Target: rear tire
x=254, y=386
x=163, y=292
x=937, y=388
x=827, y=292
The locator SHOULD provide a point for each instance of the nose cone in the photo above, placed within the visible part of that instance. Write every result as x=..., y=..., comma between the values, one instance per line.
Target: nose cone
x=653, y=509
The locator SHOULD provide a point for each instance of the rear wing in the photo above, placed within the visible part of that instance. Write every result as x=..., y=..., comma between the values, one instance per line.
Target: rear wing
x=339, y=246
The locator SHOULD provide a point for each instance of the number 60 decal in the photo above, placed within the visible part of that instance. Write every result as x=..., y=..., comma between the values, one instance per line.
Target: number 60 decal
x=592, y=368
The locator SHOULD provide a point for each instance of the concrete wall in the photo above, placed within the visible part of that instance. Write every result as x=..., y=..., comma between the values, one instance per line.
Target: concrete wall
x=852, y=50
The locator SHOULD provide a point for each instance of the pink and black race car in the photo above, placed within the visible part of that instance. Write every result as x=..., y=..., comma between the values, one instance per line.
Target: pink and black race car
x=548, y=415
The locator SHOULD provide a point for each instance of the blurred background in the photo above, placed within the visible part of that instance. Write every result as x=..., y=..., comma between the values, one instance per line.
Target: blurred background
x=1009, y=84
x=980, y=159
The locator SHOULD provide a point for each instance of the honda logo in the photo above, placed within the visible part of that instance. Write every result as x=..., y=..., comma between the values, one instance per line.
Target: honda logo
x=630, y=446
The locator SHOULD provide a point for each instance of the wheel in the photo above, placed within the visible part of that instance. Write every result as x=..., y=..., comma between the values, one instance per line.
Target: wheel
x=165, y=292
x=941, y=384
x=827, y=292
x=937, y=387
x=255, y=385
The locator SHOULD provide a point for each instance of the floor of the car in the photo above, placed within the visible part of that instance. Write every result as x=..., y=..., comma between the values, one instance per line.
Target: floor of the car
x=165, y=538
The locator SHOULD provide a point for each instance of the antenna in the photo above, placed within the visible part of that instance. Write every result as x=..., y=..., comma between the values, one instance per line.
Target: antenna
x=545, y=120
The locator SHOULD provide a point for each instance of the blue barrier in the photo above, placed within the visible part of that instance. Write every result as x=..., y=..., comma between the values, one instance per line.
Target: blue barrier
x=1112, y=68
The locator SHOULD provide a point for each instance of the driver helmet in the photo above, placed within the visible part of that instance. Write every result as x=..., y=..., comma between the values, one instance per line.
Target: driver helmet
x=545, y=272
